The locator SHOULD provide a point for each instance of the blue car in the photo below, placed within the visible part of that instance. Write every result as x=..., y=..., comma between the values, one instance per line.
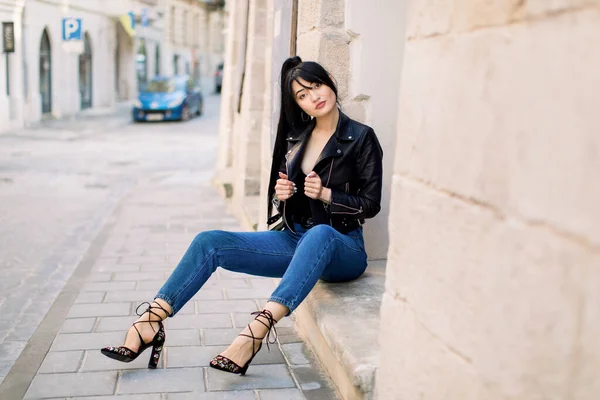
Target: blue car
x=168, y=99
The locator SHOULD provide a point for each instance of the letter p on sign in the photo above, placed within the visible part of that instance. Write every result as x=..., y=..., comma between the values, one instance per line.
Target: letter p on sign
x=71, y=29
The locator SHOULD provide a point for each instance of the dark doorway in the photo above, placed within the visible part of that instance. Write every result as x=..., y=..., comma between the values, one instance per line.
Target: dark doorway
x=176, y=64
x=85, y=73
x=46, y=73
x=157, y=60
x=142, y=64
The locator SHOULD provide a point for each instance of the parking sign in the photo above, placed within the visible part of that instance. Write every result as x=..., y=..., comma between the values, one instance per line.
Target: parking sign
x=71, y=29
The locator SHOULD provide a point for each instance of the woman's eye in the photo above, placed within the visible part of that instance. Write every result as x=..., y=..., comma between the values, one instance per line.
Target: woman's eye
x=302, y=96
x=317, y=85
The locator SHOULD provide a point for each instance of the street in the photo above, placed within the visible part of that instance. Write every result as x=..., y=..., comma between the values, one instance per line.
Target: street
x=92, y=220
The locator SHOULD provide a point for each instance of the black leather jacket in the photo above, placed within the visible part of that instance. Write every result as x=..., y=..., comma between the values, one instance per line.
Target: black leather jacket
x=350, y=165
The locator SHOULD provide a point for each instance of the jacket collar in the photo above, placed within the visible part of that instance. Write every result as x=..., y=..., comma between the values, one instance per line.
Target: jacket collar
x=343, y=133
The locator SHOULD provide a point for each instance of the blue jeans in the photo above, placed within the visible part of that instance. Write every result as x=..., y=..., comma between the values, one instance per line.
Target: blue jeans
x=299, y=259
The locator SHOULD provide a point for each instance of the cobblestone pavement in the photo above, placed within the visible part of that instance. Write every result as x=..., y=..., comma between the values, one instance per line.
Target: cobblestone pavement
x=93, y=227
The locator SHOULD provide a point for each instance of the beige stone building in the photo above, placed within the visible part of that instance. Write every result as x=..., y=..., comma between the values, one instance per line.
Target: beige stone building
x=45, y=77
x=485, y=274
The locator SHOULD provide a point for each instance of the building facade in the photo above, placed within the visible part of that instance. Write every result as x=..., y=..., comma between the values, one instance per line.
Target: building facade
x=490, y=224
x=122, y=47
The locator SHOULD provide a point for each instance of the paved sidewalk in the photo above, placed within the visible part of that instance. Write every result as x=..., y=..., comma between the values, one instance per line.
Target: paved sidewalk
x=141, y=243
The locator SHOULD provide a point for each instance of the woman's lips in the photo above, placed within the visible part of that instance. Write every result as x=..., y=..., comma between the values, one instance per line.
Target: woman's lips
x=320, y=105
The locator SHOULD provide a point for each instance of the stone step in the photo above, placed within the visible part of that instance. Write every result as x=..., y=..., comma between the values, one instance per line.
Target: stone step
x=341, y=323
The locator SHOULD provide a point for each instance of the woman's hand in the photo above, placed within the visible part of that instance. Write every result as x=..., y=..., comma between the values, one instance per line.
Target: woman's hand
x=313, y=188
x=284, y=189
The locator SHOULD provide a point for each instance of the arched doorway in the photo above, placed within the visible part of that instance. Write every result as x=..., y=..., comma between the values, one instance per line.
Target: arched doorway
x=46, y=73
x=85, y=73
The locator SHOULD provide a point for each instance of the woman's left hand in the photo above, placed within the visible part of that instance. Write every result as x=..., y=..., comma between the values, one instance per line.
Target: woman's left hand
x=313, y=186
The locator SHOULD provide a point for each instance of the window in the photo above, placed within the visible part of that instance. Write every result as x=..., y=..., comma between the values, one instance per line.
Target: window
x=172, y=25
x=157, y=60
x=184, y=28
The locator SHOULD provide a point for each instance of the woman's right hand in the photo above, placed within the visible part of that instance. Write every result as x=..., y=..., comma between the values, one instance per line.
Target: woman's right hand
x=284, y=189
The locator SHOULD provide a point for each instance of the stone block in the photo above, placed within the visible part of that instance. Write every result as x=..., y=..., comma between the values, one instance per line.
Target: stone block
x=183, y=337
x=257, y=377
x=468, y=15
x=296, y=353
x=112, y=324
x=152, y=286
x=130, y=295
x=225, y=306
x=78, y=325
x=222, y=337
x=161, y=381
x=145, y=259
x=212, y=294
x=115, y=268
x=332, y=14
x=200, y=321
x=233, y=395
x=586, y=386
x=502, y=292
x=108, y=286
x=187, y=309
x=309, y=15
x=200, y=356
x=287, y=394
x=417, y=356
x=287, y=335
x=308, y=45
x=315, y=384
x=126, y=397
x=537, y=8
x=501, y=132
x=138, y=276
x=99, y=310
x=429, y=17
x=334, y=55
x=263, y=283
x=99, y=277
x=72, y=384
x=226, y=274
x=61, y=361
x=260, y=293
x=90, y=297
x=24, y=329
x=10, y=351
x=86, y=341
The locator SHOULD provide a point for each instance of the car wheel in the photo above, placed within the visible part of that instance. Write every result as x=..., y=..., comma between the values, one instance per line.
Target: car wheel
x=185, y=114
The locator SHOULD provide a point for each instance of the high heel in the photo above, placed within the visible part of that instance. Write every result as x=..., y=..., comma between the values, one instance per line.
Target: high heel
x=225, y=364
x=124, y=354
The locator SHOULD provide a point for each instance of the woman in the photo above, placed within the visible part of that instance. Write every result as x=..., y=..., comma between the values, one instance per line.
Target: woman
x=326, y=180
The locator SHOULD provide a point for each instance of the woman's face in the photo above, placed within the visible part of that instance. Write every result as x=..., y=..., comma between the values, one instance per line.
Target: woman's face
x=316, y=101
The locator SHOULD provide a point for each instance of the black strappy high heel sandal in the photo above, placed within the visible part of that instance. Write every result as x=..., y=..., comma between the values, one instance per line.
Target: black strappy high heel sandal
x=225, y=364
x=124, y=354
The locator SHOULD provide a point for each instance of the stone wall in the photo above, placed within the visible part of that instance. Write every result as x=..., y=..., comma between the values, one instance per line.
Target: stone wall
x=493, y=271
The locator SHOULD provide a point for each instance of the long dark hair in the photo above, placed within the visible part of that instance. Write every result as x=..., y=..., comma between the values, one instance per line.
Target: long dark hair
x=290, y=119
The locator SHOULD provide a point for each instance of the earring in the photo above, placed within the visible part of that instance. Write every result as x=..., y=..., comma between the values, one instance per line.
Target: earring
x=302, y=113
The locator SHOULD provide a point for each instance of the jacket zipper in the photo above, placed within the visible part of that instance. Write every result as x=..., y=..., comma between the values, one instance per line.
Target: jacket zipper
x=287, y=172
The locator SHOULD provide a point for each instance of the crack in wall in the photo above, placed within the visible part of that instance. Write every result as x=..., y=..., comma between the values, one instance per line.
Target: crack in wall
x=513, y=19
x=565, y=234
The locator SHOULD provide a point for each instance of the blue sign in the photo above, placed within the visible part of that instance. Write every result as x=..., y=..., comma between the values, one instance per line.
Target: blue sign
x=71, y=29
x=132, y=19
x=145, y=20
